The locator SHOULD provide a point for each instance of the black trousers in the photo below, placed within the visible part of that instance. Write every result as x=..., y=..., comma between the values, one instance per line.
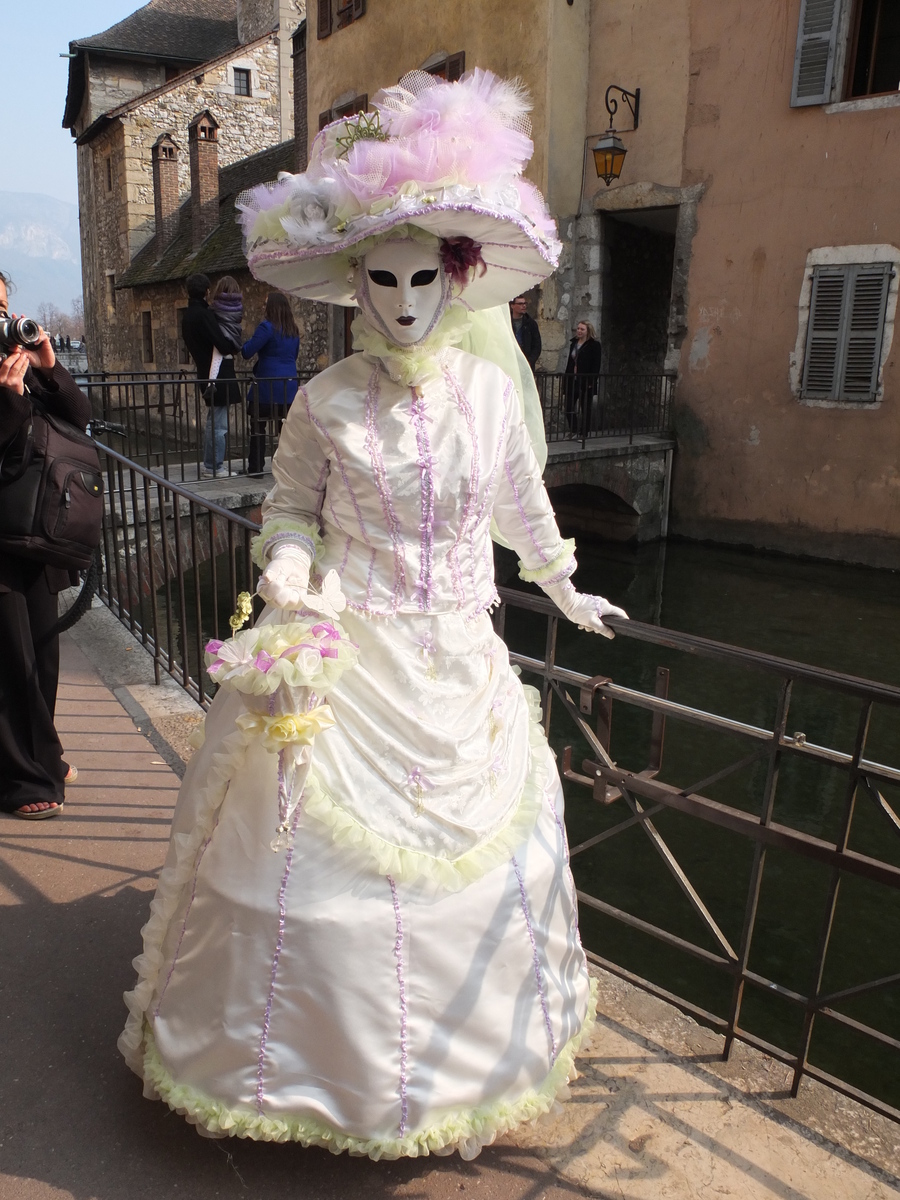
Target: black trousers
x=31, y=764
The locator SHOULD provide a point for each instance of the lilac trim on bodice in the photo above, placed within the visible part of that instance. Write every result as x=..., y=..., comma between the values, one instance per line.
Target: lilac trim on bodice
x=465, y=517
x=340, y=466
x=379, y=472
x=523, y=516
x=425, y=462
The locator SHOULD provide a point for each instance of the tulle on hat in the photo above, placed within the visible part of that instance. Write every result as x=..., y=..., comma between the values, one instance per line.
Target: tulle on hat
x=444, y=157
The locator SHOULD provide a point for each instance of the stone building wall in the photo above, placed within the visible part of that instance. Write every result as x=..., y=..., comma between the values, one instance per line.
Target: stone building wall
x=104, y=240
x=112, y=82
x=247, y=124
x=116, y=224
x=164, y=302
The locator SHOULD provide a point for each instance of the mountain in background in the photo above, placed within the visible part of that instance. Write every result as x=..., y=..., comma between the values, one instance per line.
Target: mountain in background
x=40, y=249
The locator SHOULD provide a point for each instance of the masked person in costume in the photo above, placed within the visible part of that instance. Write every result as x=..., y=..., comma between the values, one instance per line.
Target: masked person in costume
x=397, y=972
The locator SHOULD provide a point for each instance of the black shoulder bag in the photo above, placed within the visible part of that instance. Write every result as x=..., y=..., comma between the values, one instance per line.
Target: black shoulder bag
x=51, y=493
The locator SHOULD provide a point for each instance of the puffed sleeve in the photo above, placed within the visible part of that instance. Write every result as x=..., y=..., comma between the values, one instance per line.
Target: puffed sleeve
x=522, y=509
x=293, y=508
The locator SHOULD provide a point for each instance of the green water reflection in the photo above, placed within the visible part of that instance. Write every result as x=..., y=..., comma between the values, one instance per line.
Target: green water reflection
x=843, y=618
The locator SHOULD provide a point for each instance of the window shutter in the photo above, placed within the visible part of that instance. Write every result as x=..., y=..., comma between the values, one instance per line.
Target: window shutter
x=865, y=331
x=846, y=329
x=814, y=60
x=324, y=119
x=359, y=9
x=823, y=337
x=456, y=65
x=324, y=25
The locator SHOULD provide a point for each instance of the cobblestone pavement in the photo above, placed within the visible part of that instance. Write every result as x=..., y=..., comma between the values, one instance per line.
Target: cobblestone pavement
x=653, y=1115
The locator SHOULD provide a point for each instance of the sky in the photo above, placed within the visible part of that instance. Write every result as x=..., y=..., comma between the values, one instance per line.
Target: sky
x=36, y=153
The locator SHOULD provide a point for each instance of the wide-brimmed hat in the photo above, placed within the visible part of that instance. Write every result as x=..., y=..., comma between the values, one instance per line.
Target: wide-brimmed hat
x=444, y=158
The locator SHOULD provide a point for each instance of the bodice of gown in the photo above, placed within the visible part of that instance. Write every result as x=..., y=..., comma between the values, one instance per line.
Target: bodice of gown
x=403, y=481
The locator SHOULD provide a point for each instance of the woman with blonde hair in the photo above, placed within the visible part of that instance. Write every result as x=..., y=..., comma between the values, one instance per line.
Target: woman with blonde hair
x=584, y=360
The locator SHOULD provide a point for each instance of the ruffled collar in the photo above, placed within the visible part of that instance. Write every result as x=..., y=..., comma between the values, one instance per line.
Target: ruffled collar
x=411, y=365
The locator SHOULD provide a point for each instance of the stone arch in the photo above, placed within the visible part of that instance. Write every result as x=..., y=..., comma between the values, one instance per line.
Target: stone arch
x=589, y=508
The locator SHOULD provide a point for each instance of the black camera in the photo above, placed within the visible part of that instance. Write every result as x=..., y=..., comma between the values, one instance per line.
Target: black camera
x=17, y=331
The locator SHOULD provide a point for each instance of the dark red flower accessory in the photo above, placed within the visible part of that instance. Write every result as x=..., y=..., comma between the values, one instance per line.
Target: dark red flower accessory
x=460, y=255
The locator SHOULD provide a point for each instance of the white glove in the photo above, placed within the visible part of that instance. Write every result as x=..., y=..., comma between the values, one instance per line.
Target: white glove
x=285, y=581
x=586, y=611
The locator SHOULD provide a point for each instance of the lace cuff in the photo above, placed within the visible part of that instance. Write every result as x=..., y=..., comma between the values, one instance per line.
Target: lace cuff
x=282, y=528
x=560, y=568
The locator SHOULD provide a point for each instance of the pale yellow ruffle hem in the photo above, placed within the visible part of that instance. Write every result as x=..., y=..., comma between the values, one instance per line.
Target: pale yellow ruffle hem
x=466, y=1131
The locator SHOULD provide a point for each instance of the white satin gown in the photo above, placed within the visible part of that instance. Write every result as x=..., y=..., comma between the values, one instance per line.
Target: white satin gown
x=406, y=976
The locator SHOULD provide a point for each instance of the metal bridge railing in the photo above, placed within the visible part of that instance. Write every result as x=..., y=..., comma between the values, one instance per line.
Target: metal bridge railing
x=585, y=407
x=645, y=797
x=164, y=417
x=173, y=564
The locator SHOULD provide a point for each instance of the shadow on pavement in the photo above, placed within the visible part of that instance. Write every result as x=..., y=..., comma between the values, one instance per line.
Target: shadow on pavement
x=75, y=1119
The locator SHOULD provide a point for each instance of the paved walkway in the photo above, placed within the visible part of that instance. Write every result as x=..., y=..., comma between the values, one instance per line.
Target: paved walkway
x=653, y=1116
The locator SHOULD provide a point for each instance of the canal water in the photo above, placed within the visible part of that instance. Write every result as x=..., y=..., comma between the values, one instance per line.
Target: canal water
x=834, y=616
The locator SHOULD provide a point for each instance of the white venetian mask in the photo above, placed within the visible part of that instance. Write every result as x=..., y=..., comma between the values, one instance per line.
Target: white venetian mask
x=402, y=290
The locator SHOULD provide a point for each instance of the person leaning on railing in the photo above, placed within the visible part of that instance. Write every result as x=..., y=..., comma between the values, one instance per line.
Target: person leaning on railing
x=33, y=774
x=584, y=359
x=276, y=343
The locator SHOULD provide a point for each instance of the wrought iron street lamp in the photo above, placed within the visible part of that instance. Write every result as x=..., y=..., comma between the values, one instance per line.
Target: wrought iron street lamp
x=609, y=152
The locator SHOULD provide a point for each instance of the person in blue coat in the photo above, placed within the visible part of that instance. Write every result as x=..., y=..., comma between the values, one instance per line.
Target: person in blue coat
x=276, y=343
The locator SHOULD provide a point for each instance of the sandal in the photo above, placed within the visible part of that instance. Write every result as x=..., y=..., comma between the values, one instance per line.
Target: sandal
x=71, y=774
x=41, y=815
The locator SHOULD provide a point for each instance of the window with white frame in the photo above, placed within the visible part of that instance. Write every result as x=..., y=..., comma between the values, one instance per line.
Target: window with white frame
x=845, y=333
x=846, y=50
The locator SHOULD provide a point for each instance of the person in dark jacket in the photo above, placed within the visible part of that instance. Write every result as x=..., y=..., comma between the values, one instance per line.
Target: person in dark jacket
x=584, y=360
x=276, y=343
x=202, y=335
x=526, y=331
x=33, y=774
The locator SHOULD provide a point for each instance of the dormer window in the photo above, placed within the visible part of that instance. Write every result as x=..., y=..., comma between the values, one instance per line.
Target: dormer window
x=241, y=81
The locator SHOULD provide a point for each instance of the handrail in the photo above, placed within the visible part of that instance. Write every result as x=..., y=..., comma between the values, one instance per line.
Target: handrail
x=692, y=643
x=174, y=562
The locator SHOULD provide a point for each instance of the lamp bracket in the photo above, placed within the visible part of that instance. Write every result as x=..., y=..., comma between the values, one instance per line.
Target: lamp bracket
x=632, y=99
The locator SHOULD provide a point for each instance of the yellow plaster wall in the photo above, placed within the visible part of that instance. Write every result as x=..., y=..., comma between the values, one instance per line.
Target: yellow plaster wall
x=396, y=36
x=779, y=182
x=642, y=44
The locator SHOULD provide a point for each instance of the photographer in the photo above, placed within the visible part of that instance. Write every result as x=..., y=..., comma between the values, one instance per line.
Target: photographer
x=32, y=771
